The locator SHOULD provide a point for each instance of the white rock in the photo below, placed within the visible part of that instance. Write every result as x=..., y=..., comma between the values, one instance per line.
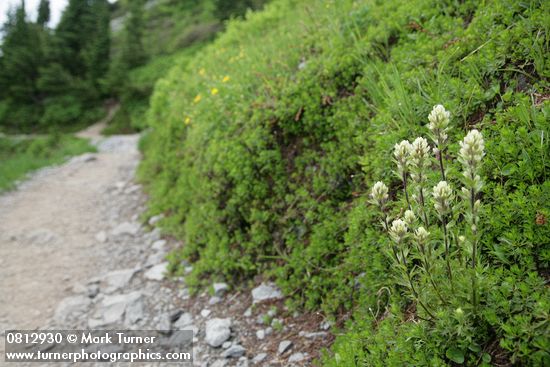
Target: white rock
x=154, y=258
x=265, y=292
x=284, y=346
x=296, y=357
x=185, y=321
x=159, y=245
x=243, y=362
x=118, y=279
x=205, y=313
x=235, y=351
x=124, y=309
x=154, y=235
x=220, y=289
x=154, y=219
x=71, y=307
x=260, y=334
x=216, y=363
x=101, y=237
x=319, y=334
x=92, y=290
x=164, y=323
x=217, y=331
x=227, y=344
x=214, y=300
x=156, y=272
x=126, y=228
x=135, y=308
x=248, y=312
x=259, y=358
x=132, y=189
x=184, y=294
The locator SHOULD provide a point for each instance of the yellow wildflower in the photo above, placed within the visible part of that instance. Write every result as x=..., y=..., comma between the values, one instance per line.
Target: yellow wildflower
x=226, y=79
x=187, y=120
x=197, y=99
x=214, y=91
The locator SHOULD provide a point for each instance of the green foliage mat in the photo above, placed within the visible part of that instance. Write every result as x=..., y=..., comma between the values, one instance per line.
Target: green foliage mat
x=263, y=148
x=20, y=156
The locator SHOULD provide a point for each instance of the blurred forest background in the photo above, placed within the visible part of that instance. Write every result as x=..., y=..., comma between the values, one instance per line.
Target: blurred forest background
x=98, y=55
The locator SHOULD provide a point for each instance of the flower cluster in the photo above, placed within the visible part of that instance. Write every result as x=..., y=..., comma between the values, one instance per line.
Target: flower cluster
x=470, y=155
x=442, y=196
x=409, y=233
x=398, y=230
x=421, y=235
x=471, y=148
x=379, y=193
x=409, y=218
x=439, y=121
x=420, y=154
x=401, y=152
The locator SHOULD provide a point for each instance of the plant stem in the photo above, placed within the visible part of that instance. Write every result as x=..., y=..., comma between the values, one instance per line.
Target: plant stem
x=440, y=158
x=404, y=177
x=427, y=269
x=426, y=223
x=415, y=294
x=446, y=239
x=474, y=248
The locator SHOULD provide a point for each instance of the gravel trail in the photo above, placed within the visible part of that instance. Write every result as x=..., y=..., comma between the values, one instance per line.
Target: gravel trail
x=76, y=253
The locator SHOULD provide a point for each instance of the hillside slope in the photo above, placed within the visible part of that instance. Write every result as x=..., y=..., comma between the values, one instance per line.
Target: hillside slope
x=264, y=146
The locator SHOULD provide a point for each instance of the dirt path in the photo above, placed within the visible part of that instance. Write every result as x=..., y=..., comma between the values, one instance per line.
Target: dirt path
x=48, y=228
x=76, y=254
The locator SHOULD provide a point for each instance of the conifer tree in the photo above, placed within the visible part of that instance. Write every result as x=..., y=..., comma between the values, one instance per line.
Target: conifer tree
x=21, y=57
x=133, y=53
x=96, y=53
x=43, y=13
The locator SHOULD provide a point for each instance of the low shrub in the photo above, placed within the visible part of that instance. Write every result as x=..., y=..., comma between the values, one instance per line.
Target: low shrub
x=263, y=147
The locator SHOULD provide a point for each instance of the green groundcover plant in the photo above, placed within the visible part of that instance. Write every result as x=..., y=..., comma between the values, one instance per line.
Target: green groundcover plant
x=262, y=150
x=21, y=155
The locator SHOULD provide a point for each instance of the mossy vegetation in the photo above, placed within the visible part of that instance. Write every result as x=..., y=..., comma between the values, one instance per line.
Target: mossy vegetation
x=264, y=146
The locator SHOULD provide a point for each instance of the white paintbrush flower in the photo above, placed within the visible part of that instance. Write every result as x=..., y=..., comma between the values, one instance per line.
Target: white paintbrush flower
x=442, y=196
x=421, y=235
x=472, y=149
x=402, y=152
x=439, y=122
x=379, y=193
x=420, y=152
x=398, y=230
x=409, y=218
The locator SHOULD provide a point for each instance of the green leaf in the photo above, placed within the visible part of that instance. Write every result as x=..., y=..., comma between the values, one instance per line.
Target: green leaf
x=486, y=357
x=509, y=169
x=475, y=348
x=455, y=355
